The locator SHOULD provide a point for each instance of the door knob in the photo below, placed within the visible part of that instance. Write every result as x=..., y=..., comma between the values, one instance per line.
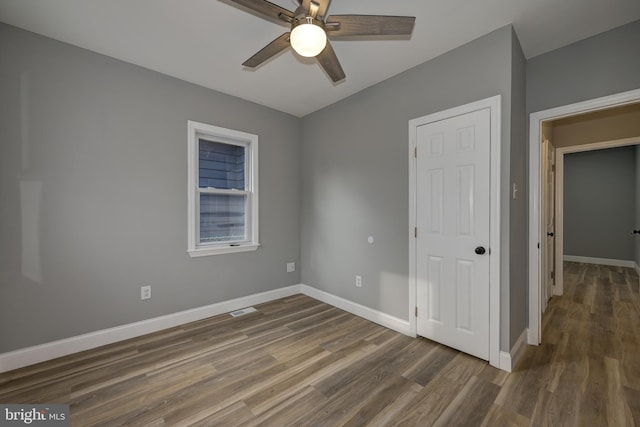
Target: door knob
x=550, y=234
x=480, y=250
x=636, y=231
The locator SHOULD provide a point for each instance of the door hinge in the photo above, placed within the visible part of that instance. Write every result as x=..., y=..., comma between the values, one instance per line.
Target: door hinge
x=416, y=311
x=553, y=168
x=415, y=232
x=415, y=152
x=553, y=275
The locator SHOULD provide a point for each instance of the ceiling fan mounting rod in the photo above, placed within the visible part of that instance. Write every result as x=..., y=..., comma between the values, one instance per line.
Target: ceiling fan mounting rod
x=313, y=8
x=307, y=20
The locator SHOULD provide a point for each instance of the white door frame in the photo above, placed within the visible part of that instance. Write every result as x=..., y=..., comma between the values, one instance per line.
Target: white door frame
x=536, y=229
x=494, y=104
x=544, y=259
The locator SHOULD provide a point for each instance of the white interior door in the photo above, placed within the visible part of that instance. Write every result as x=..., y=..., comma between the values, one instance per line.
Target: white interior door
x=453, y=218
x=548, y=188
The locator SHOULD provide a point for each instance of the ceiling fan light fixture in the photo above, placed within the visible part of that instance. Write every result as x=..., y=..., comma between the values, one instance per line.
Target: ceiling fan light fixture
x=308, y=38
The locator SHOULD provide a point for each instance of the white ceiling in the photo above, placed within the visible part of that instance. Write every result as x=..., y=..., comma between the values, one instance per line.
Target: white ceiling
x=206, y=41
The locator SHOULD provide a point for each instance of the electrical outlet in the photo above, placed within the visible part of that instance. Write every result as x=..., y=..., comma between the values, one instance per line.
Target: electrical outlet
x=358, y=281
x=291, y=267
x=145, y=292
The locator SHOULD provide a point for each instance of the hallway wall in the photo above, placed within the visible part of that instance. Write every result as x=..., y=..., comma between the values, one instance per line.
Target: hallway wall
x=600, y=203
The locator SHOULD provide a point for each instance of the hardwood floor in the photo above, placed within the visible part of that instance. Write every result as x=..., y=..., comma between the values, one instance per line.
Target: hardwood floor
x=300, y=362
x=587, y=371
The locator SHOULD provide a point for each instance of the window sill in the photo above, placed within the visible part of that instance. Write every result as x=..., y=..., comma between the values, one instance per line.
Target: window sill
x=219, y=250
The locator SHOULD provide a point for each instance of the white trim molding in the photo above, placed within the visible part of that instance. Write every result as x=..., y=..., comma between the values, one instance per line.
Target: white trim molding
x=494, y=105
x=384, y=319
x=600, y=261
x=197, y=131
x=536, y=228
x=509, y=360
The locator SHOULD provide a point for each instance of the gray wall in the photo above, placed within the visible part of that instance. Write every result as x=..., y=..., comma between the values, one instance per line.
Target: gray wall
x=93, y=165
x=76, y=144
x=518, y=272
x=602, y=65
x=355, y=173
x=599, y=203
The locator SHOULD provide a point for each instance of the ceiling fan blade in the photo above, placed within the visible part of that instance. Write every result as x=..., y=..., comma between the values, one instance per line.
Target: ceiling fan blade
x=273, y=48
x=329, y=62
x=267, y=10
x=369, y=25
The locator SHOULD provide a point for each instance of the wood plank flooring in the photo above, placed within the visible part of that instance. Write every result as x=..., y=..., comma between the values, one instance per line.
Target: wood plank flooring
x=300, y=362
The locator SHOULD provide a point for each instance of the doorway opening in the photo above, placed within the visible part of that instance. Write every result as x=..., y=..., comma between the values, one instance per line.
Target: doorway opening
x=591, y=255
x=540, y=261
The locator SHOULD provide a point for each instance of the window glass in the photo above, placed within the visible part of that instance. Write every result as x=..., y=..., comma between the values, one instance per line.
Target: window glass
x=222, y=218
x=221, y=165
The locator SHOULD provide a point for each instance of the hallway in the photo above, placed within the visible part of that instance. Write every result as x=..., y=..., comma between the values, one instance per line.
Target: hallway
x=586, y=372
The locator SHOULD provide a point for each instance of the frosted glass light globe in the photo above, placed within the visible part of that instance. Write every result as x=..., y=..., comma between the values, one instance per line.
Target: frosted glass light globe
x=308, y=39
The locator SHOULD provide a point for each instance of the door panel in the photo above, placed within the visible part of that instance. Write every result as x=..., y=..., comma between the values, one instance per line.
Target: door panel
x=435, y=180
x=434, y=284
x=548, y=197
x=452, y=176
x=465, y=199
x=464, y=287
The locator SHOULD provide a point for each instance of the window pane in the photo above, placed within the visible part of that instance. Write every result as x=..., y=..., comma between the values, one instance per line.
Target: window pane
x=221, y=165
x=222, y=218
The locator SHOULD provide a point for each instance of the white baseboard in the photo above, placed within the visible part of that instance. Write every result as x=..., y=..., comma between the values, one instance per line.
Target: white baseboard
x=531, y=338
x=51, y=350
x=384, y=319
x=601, y=261
x=508, y=360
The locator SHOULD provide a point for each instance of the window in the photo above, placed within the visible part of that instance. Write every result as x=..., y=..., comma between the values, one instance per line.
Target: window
x=223, y=190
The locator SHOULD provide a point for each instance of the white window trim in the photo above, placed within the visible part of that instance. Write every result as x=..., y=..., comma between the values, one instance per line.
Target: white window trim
x=233, y=137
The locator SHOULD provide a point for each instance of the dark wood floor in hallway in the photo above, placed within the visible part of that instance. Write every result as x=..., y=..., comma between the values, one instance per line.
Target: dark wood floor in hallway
x=300, y=362
x=587, y=370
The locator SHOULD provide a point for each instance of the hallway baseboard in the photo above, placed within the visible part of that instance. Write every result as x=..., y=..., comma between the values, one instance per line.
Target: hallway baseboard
x=601, y=261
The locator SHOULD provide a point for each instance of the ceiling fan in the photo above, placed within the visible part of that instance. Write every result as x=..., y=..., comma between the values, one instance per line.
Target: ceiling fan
x=310, y=28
